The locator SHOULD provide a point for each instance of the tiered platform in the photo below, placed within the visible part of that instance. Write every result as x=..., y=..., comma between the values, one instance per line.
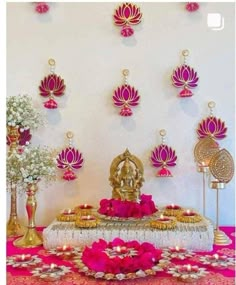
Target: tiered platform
x=196, y=236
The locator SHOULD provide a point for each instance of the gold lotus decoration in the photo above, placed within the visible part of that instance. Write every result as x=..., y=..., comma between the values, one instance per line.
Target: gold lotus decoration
x=222, y=166
x=205, y=149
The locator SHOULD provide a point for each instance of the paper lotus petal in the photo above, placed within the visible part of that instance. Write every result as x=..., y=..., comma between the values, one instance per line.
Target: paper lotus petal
x=192, y=6
x=69, y=158
x=163, y=156
x=126, y=96
x=52, y=85
x=213, y=127
x=185, y=77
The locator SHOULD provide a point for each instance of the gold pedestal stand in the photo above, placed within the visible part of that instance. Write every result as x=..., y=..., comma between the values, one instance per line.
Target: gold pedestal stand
x=204, y=170
x=220, y=238
x=14, y=227
x=31, y=238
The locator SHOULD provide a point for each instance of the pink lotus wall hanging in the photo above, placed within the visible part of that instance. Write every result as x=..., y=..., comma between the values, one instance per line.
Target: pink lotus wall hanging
x=185, y=77
x=212, y=126
x=126, y=97
x=69, y=159
x=41, y=7
x=52, y=85
x=192, y=6
x=125, y=16
x=163, y=156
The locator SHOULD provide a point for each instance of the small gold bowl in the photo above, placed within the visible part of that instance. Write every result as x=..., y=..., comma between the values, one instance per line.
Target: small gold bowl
x=86, y=222
x=67, y=216
x=163, y=223
x=189, y=217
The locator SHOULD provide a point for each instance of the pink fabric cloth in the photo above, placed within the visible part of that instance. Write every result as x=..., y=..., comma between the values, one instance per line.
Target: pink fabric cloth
x=48, y=259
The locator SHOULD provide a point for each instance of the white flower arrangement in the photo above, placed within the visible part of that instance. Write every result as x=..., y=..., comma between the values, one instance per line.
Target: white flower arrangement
x=13, y=165
x=37, y=163
x=22, y=113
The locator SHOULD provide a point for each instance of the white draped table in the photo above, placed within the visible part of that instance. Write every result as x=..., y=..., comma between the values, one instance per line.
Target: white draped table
x=196, y=236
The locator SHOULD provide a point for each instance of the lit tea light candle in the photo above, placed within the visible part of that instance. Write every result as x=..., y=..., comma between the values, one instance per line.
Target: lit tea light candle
x=189, y=216
x=85, y=206
x=50, y=272
x=23, y=260
x=65, y=251
x=88, y=218
x=87, y=221
x=163, y=223
x=187, y=273
x=67, y=215
x=218, y=261
x=173, y=207
x=177, y=252
x=118, y=249
x=189, y=213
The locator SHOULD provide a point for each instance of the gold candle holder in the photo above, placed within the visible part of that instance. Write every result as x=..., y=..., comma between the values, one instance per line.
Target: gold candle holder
x=172, y=210
x=163, y=223
x=67, y=216
x=86, y=222
x=84, y=210
x=189, y=216
x=187, y=273
x=222, y=168
x=203, y=152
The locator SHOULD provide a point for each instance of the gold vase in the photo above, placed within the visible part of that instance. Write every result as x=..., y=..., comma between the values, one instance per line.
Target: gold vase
x=31, y=238
x=14, y=227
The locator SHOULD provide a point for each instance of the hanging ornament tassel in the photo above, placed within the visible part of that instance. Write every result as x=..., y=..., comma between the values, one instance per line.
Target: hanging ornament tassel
x=192, y=6
x=41, y=7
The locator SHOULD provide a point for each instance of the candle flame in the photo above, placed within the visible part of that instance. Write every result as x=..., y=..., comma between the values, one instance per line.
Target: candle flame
x=189, y=267
x=216, y=256
x=88, y=217
x=64, y=247
x=22, y=257
x=52, y=266
x=68, y=211
x=85, y=205
x=161, y=217
x=118, y=249
x=188, y=211
x=177, y=248
x=172, y=205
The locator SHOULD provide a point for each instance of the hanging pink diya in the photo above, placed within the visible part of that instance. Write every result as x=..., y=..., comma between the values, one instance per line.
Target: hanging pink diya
x=126, y=97
x=192, y=6
x=52, y=85
x=211, y=126
x=185, y=77
x=69, y=159
x=126, y=15
x=163, y=156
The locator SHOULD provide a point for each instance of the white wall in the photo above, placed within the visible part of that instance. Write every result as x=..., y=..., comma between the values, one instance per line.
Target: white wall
x=90, y=56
